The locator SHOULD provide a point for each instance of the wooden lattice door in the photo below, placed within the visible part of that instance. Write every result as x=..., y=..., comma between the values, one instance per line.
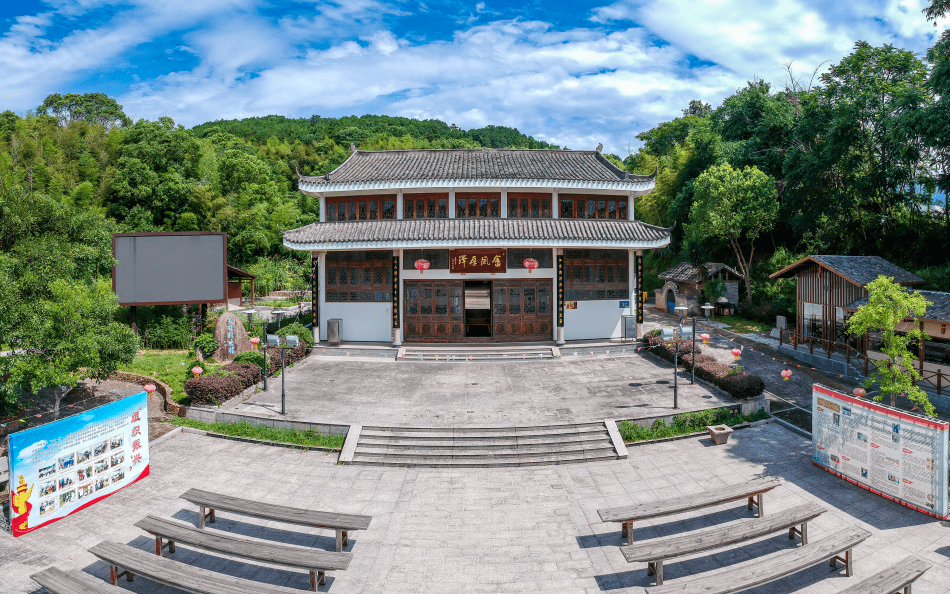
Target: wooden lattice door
x=433, y=311
x=522, y=310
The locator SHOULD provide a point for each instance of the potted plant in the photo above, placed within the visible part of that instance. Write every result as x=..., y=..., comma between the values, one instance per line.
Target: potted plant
x=719, y=433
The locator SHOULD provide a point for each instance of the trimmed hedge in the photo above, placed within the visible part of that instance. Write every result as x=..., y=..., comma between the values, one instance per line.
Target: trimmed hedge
x=248, y=373
x=739, y=385
x=212, y=389
x=252, y=357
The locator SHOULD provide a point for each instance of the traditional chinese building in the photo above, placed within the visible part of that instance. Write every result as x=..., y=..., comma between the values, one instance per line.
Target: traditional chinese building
x=476, y=245
x=685, y=286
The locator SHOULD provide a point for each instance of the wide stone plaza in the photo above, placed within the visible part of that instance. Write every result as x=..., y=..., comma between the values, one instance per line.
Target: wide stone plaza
x=531, y=529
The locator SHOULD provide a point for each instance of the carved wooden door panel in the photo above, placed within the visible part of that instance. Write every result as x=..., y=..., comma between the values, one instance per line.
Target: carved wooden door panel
x=433, y=311
x=522, y=310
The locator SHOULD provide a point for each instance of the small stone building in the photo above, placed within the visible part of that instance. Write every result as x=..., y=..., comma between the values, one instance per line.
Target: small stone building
x=685, y=282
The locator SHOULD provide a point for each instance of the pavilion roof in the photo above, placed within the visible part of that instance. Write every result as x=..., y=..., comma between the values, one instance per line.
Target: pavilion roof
x=860, y=270
x=365, y=170
x=412, y=233
x=686, y=272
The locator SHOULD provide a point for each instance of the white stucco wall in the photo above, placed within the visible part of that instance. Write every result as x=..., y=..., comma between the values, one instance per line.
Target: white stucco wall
x=362, y=322
x=595, y=319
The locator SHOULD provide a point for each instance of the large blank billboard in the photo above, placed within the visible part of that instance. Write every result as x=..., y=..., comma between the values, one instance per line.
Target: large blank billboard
x=170, y=268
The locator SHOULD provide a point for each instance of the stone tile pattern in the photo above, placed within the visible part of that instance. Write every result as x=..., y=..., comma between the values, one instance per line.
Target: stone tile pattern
x=484, y=530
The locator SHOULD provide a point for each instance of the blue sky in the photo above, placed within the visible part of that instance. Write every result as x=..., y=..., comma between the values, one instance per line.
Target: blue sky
x=573, y=73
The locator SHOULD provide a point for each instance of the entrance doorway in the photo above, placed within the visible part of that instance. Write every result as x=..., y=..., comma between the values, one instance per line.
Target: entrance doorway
x=478, y=311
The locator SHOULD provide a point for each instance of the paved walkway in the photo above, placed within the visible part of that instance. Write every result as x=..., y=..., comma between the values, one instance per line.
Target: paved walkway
x=484, y=530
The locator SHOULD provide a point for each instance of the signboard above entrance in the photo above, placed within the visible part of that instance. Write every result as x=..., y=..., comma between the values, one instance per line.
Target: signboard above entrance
x=478, y=261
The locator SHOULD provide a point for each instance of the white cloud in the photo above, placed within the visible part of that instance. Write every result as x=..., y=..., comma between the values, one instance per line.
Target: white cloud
x=622, y=72
x=27, y=452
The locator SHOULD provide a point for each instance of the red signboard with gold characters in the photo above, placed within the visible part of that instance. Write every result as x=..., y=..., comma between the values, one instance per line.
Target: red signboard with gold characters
x=478, y=261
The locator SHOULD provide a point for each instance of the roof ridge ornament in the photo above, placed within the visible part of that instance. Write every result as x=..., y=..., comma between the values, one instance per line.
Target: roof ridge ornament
x=600, y=147
x=352, y=147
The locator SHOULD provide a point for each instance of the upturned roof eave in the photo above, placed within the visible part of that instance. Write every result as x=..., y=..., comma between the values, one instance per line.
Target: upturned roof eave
x=476, y=243
x=636, y=188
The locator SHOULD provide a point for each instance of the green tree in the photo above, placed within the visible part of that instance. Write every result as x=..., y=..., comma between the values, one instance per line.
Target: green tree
x=736, y=206
x=70, y=336
x=889, y=307
x=96, y=108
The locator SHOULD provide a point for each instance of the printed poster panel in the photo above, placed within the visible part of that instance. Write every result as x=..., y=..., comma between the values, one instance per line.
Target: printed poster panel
x=62, y=467
x=890, y=452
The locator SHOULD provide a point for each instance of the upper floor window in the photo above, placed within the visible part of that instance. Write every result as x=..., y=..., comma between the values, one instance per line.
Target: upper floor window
x=596, y=274
x=425, y=206
x=361, y=208
x=526, y=205
x=477, y=204
x=359, y=276
x=591, y=206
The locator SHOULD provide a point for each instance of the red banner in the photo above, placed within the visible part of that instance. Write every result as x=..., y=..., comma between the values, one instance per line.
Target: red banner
x=478, y=261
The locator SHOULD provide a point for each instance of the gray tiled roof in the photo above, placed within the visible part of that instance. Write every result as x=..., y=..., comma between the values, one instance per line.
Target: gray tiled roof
x=861, y=270
x=476, y=164
x=686, y=272
x=475, y=232
x=938, y=310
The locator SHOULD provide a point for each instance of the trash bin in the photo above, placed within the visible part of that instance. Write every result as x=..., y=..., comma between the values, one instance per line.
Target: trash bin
x=629, y=327
x=334, y=331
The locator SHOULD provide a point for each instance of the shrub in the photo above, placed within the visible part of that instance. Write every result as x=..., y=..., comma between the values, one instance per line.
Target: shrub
x=300, y=330
x=206, y=343
x=169, y=333
x=252, y=357
x=738, y=385
x=291, y=357
x=248, y=373
x=212, y=389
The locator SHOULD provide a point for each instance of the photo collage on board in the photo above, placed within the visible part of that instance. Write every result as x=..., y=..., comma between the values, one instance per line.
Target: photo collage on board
x=81, y=474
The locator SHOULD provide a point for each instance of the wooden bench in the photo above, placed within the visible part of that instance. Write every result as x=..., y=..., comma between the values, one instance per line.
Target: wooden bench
x=655, y=552
x=626, y=515
x=58, y=581
x=763, y=570
x=133, y=562
x=893, y=579
x=341, y=523
x=316, y=561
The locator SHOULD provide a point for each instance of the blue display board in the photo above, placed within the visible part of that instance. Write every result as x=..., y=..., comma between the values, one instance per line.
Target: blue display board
x=60, y=468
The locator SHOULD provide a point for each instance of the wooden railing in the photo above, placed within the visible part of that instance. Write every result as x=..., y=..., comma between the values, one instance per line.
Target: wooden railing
x=855, y=354
x=934, y=375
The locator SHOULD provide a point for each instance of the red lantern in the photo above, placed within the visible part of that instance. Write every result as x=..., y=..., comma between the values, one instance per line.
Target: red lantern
x=422, y=265
x=196, y=371
x=705, y=337
x=860, y=392
x=254, y=340
x=736, y=352
x=530, y=264
x=149, y=388
x=786, y=374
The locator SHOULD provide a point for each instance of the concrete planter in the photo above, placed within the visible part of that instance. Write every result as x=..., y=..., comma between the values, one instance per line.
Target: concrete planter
x=719, y=433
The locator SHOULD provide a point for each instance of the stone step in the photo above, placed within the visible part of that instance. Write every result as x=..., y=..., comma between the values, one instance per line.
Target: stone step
x=461, y=354
x=484, y=461
x=479, y=442
x=477, y=452
x=555, y=430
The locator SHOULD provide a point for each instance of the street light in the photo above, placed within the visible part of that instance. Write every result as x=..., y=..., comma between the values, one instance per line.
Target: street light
x=667, y=335
x=290, y=342
x=250, y=322
x=706, y=309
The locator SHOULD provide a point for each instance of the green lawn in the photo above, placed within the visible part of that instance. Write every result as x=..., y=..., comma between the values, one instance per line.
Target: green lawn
x=247, y=430
x=171, y=367
x=742, y=325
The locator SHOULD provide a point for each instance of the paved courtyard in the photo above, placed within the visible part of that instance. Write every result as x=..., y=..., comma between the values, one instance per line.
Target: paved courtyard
x=371, y=391
x=531, y=529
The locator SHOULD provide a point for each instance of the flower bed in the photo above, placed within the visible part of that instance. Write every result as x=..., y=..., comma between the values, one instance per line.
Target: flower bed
x=686, y=424
x=738, y=385
x=231, y=379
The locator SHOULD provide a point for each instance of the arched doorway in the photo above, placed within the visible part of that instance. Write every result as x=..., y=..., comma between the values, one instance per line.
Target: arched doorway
x=670, y=301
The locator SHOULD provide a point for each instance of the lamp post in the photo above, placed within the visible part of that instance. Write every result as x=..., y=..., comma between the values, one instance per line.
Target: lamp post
x=290, y=342
x=250, y=322
x=706, y=309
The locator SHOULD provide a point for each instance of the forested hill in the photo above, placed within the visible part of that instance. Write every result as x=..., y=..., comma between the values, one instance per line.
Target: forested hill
x=372, y=131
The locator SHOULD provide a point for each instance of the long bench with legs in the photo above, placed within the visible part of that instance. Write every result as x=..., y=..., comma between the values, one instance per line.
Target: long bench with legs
x=316, y=561
x=627, y=515
x=343, y=524
x=892, y=580
x=763, y=570
x=129, y=562
x=655, y=552
x=58, y=581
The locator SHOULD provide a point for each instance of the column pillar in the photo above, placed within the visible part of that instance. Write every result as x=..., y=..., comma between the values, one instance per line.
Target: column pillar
x=323, y=208
x=397, y=298
x=559, y=310
x=451, y=204
x=398, y=204
x=503, y=207
x=638, y=269
x=555, y=205
x=631, y=215
x=315, y=296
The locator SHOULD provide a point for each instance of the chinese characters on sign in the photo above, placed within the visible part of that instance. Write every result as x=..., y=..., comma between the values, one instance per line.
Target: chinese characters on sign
x=62, y=467
x=478, y=261
x=897, y=455
x=230, y=342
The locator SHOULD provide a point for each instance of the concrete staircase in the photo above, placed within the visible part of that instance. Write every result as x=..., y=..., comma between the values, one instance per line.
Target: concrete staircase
x=484, y=447
x=461, y=354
